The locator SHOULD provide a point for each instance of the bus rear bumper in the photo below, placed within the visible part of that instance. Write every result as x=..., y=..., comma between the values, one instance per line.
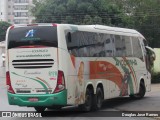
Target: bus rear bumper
x=43, y=100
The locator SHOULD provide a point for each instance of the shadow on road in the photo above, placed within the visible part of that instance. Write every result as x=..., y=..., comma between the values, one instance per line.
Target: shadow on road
x=115, y=102
x=108, y=109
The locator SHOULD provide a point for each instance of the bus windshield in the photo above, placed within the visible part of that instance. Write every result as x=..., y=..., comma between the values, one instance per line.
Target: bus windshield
x=33, y=35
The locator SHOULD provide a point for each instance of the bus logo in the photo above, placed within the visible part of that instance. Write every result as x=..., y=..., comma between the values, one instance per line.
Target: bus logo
x=30, y=33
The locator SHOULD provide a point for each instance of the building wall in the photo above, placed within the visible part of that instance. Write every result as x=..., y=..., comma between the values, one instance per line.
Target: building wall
x=16, y=11
x=2, y=51
x=3, y=10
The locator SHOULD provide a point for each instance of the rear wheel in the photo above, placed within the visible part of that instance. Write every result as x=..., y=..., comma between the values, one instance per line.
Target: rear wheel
x=40, y=109
x=98, y=99
x=88, y=101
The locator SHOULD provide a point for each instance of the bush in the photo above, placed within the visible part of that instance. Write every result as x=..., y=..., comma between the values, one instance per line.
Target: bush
x=155, y=77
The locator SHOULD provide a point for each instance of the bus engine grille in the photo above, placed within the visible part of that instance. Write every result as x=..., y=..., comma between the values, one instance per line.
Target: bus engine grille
x=33, y=63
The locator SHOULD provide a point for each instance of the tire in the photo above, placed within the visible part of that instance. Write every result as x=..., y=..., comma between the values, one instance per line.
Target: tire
x=86, y=107
x=98, y=99
x=141, y=93
x=142, y=90
x=40, y=109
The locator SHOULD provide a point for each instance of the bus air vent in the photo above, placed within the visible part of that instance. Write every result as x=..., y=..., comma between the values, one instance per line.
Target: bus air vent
x=33, y=63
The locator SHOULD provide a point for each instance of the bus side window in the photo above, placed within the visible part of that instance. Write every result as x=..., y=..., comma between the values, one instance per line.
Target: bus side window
x=72, y=42
x=113, y=45
x=120, y=46
x=137, y=51
x=108, y=46
x=128, y=46
x=146, y=56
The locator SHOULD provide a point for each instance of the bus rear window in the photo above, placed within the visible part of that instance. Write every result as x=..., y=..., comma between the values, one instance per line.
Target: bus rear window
x=33, y=35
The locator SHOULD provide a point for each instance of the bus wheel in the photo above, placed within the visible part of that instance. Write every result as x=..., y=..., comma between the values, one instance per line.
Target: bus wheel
x=142, y=90
x=98, y=99
x=88, y=101
x=40, y=109
x=141, y=93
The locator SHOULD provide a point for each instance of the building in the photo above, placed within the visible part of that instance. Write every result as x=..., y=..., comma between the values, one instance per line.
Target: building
x=3, y=10
x=2, y=53
x=16, y=11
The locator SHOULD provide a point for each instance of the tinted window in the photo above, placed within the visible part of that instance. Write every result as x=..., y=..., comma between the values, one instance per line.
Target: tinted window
x=128, y=46
x=89, y=44
x=33, y=35
x=137, y=51
x=120, y=46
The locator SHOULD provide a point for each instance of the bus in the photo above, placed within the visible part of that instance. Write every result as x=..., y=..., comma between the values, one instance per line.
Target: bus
x=57, y=65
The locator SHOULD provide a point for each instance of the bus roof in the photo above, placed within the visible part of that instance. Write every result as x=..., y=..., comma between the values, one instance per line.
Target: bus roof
x=109, y=29
x=113, y=30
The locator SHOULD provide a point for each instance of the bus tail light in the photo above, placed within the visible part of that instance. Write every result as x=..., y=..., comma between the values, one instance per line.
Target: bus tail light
x=12, y=27
x=60, y=82
x=54, y=24
x=8, y=82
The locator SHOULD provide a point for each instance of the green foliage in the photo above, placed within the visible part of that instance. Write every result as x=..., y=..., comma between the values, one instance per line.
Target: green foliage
x=74, y=11
x=3, y=28
x=155, y=78
x=142, y=15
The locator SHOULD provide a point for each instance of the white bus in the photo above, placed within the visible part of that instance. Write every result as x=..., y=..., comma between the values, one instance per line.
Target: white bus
x=57, y=65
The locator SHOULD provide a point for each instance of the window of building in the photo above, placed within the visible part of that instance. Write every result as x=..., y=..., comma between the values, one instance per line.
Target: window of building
x=21, y=1
x=21, y=14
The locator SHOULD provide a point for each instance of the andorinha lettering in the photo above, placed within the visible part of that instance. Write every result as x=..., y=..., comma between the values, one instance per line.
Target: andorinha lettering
x=124, y=63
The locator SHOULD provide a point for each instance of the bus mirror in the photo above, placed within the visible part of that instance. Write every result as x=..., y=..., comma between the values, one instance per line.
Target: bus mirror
x=69, y=37
x=151, y=53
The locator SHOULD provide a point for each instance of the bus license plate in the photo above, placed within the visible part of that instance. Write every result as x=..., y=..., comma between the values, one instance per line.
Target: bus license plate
x=33, y=99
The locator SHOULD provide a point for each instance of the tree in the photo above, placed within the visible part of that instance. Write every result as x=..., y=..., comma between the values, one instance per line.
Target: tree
x=75, y=11
x=146, y=19
x=3, y=28
x=142, y=15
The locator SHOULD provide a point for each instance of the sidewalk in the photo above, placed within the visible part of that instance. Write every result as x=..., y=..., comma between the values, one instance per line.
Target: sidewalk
x=2, y=72
x=2, y=78
x=155, y=87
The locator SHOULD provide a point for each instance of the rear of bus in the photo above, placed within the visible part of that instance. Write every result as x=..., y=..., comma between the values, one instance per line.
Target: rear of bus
x=32, y=74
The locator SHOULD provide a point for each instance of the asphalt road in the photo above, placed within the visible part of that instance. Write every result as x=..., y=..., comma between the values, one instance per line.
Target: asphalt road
x=149, y=103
